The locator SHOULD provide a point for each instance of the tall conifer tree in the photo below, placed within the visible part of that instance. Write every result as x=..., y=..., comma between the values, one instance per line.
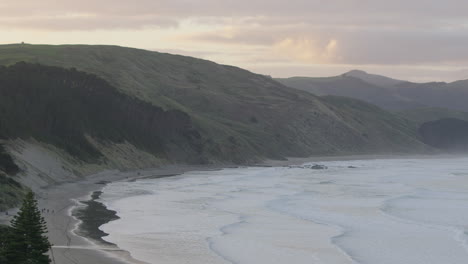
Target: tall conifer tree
x=3, y=242
x=27, y=240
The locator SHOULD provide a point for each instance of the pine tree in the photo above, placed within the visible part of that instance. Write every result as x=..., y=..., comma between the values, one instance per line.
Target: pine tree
x=4, y=230
x=27, y=242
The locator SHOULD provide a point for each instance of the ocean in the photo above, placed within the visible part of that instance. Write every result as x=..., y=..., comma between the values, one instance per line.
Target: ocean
x=382, y=211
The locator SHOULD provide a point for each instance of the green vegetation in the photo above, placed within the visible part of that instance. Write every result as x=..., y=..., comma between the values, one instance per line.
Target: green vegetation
x=385, y=92
x=61, y=107
x=441, y=128
x=7, y=164
x=448, y=133
x=26, y=242
x=4, y=231
x=352, y=87
x=367, y=117
x=220, y=101
x=11, y=192
x=423, y=115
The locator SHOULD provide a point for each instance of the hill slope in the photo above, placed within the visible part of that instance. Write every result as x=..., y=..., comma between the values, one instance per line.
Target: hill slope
x=379, y=80
x=73, y=110
x=385, y=92
x=241, y=116
x=452, y=96
x=350, y=85
x=448, y=134
x=423, y=115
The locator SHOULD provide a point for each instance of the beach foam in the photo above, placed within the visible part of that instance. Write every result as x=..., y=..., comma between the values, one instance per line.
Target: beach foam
x=405, y=211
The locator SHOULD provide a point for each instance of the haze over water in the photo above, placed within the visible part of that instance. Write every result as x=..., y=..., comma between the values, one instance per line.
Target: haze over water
x=398, y=211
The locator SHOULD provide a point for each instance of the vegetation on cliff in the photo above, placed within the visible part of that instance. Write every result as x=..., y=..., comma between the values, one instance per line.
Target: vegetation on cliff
x=240, y=116
x=63, y=107
x=447, y=134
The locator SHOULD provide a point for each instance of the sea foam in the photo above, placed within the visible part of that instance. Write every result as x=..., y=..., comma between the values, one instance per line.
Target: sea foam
x=405, y=211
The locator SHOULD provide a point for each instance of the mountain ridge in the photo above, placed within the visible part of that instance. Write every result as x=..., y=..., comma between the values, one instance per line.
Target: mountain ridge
x=389, y=93
x=379, y=80
x=232, y=116
x=208, y=91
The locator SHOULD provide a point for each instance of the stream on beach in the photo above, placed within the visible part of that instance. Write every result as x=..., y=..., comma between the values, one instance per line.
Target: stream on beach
x=383, y=211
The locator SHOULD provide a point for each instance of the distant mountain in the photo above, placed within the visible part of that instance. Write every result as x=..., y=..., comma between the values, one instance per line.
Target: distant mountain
x=351, y=86
x=72, y=110
x=240, y=116
x=423, y=115
x=385, y=92
x=374, y=79
x=238, y=113
x=437, y=94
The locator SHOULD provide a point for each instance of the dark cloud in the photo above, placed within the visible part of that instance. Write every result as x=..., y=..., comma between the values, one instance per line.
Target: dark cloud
x=360, y=32
x=88, y=22
x=333, y=9
x=418, y=47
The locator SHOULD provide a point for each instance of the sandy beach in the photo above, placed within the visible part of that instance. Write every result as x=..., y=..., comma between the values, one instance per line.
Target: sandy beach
x=60, y=199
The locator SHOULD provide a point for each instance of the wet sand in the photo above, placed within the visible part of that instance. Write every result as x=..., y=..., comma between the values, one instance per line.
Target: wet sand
x=71, y=248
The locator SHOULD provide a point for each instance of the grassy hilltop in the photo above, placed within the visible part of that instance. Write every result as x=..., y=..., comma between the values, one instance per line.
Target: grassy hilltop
x=242, y=116
x=115, y=107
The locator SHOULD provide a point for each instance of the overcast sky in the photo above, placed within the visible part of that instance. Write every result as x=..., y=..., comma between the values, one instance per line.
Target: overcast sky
x=419, y=40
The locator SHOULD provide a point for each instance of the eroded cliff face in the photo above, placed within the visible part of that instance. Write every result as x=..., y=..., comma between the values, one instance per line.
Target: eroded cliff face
x=241, y=116
x=59, y=125
x=448, y=134
x=67, y=108
x=128, y=108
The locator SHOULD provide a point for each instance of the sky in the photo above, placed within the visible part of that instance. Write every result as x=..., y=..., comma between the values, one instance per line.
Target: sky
x=417, y=40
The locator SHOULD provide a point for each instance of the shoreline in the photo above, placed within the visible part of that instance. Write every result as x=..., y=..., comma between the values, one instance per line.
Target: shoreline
x=87, y=208
x=97, y=236
x=61, y=199
x=91, y=215
x=163, y=237
x=107, y=252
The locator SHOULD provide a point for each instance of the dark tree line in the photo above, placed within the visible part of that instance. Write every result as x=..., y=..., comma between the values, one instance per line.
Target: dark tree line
x=7, y=164
x=448, y=134
x=25, y=241
x=62, y=106
x=11, y=192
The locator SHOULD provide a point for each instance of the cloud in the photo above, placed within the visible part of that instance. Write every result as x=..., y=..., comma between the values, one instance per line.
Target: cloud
x=348, y=44
x=308, y=50
x=418, y=33
x=87, y=22
x=394, y=47
x=344, y=12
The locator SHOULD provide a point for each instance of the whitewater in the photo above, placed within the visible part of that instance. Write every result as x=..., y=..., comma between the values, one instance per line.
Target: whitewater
x=382, y=211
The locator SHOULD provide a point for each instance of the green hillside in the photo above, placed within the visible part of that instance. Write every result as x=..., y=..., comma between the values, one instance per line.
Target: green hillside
x=67, y=108
x=365, y=117
x=390, y=94
x=11, y=192
x=353, y=87
x=240, y=116
x=449, y=134
x=423, y=115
